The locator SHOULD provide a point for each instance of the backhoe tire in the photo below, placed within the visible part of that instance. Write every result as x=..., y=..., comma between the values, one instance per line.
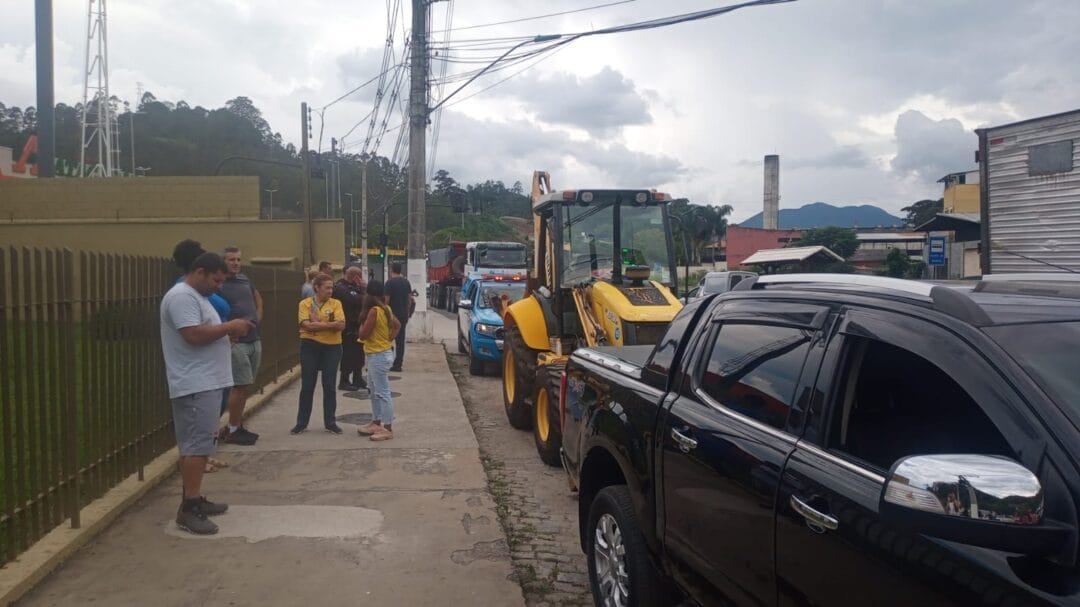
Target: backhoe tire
x=518, y=370
x=547, y=421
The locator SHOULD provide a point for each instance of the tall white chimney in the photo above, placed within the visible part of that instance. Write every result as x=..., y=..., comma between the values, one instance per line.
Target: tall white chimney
x=771, y=215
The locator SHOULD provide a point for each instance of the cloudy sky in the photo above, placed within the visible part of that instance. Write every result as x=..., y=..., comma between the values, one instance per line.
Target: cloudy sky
x=865, y=101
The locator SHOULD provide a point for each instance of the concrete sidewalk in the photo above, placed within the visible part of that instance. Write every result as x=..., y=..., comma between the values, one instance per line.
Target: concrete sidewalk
x=318, y=519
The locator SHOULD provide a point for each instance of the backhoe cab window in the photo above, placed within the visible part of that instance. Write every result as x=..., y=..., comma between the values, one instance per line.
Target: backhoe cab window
x=589, y=246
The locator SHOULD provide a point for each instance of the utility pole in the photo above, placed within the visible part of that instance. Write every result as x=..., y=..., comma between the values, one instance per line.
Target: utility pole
x=305, y=180
x=46, y=127
x=418, y=115
x=363, y=219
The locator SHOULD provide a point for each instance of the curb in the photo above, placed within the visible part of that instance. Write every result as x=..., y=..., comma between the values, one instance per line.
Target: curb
x=21, y=575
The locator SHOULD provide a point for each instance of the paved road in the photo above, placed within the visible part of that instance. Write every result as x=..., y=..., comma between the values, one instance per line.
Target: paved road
x=535, y=505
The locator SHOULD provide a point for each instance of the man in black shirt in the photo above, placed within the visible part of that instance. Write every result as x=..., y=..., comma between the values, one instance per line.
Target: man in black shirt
x=350, y=292
x=399, y=292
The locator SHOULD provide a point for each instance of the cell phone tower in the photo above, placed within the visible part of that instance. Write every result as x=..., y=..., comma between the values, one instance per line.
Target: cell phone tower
x=99, y=154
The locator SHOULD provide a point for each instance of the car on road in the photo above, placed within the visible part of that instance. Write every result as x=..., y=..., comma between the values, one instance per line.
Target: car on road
x=836, y=440
x=717, y=282
x=479, y=316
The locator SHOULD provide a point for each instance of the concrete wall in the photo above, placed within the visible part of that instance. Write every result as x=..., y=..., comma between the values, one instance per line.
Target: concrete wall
x=129, y=198
x=744, y=242
x=258, y=239
x=962, y=198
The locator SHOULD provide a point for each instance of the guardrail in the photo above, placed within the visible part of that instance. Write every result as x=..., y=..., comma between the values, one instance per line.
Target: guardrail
x=83, y=398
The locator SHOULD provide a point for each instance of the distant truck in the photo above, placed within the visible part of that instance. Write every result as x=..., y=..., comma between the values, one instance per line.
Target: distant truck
x=446, y=271
x=495, y=258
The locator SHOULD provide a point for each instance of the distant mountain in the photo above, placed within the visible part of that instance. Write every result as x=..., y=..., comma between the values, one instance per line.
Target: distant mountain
x=821, y=214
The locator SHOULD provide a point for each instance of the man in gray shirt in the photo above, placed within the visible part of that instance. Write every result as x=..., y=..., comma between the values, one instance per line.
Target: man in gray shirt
x=245, y=303
x=195, y=345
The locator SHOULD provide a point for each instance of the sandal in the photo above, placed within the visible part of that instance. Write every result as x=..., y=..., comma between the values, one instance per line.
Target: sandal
x=369, y=429
x=213, y=465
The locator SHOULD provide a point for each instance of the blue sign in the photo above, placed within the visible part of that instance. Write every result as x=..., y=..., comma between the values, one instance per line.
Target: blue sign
x=937, y=251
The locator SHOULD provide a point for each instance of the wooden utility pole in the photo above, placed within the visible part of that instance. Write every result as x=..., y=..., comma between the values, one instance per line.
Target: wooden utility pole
x=418, y=114
x=305, y=180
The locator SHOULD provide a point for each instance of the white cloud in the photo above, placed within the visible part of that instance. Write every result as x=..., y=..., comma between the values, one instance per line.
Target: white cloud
x=824, y=83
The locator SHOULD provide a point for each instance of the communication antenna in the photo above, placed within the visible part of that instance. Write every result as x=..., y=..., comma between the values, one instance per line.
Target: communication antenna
x=100, y=150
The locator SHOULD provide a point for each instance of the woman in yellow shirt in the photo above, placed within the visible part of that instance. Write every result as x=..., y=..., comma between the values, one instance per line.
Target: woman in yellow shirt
x=377, y=333
x=321, y=320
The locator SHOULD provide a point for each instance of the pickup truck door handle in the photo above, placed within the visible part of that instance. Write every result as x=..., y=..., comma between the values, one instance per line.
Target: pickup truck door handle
x=684, y=442
x=816, y=520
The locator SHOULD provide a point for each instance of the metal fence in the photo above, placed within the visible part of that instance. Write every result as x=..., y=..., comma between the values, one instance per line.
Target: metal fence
x=83, y=398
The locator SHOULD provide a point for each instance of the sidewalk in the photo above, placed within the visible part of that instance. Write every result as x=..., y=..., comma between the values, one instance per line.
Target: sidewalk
x=318, y=519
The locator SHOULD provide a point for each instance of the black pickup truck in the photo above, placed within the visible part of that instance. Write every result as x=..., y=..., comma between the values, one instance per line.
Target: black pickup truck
x=836, y=440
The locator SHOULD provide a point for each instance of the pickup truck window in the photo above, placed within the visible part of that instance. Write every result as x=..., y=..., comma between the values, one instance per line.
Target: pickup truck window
x=892, y=403
x=754, y=369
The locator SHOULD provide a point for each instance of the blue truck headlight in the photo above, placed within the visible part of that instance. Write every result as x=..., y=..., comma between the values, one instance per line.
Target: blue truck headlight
x=486, y=329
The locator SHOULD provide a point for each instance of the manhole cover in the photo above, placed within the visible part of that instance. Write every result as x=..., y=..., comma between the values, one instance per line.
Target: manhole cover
x=358, y=419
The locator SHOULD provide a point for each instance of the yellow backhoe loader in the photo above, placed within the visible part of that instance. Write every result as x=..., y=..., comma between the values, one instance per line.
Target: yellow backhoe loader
x=603, y=274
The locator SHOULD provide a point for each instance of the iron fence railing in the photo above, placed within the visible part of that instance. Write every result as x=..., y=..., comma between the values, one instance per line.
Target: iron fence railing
x=83, y=398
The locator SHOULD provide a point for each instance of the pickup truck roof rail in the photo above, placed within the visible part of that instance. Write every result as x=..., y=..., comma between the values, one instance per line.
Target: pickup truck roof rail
x=944, y=299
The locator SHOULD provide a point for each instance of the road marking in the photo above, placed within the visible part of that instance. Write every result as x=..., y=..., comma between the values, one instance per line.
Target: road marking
x=258, y=523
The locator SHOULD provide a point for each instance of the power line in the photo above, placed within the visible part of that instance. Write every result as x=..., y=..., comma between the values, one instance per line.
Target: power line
x=578, y=10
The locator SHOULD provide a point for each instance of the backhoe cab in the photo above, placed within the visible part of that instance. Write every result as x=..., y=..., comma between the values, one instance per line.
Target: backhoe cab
x=603, y=274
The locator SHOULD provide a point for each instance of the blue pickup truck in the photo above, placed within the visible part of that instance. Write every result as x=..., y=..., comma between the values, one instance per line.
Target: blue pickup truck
x=480, y=325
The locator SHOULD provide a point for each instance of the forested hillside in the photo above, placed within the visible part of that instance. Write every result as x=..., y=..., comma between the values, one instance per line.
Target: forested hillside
x=177, y=139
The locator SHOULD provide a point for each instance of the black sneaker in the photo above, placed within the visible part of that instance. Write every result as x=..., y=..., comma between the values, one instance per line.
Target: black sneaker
x=255, y=434
x=396, y=369
x=334, y=429
x=210, y=508
x=359, y=382
x=241, y=437
x=347, y=387
x=297, y=430
x=193, y=520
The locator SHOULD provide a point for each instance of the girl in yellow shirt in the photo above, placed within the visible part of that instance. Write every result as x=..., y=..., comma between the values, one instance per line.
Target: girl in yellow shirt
x=377, y=333
x=321, y=319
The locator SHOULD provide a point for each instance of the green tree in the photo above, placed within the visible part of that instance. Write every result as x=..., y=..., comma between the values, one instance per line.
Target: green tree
x=897, y=263
x=841, y=241
x=922, y=211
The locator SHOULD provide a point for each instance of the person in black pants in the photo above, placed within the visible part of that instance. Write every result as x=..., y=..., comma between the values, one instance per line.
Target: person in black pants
x=400, y=296
x=350, y=292
x=321, y=322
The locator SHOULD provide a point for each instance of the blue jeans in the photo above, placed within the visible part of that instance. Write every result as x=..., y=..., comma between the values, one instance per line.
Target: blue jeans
x=382, y=406
x=315, y=358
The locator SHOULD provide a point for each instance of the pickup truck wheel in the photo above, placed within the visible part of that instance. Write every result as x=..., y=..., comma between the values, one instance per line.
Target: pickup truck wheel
x=519, y=366
x=547, y=427
x=620, y=570
x=460, y=342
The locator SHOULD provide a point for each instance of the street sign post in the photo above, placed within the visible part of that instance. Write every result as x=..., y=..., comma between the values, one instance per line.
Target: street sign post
x=937, y=251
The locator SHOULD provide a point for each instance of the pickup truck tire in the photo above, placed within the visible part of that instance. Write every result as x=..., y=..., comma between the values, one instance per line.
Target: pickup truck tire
x=547, y=425
x=519, y=369
x=461, y=342
x=620, y=569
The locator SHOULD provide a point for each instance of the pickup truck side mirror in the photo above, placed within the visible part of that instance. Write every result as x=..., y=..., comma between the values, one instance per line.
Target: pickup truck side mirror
x=979, y=500
x=465, y=304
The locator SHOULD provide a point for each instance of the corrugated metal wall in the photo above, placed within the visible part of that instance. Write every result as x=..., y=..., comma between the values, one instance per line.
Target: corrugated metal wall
x=1037, y=216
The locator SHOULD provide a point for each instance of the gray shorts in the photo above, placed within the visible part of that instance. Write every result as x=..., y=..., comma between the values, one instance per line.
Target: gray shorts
x=195, y=419
x=245, y=362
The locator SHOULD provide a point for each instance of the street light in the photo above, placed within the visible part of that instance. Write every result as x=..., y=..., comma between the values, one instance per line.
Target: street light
x=271, y=192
